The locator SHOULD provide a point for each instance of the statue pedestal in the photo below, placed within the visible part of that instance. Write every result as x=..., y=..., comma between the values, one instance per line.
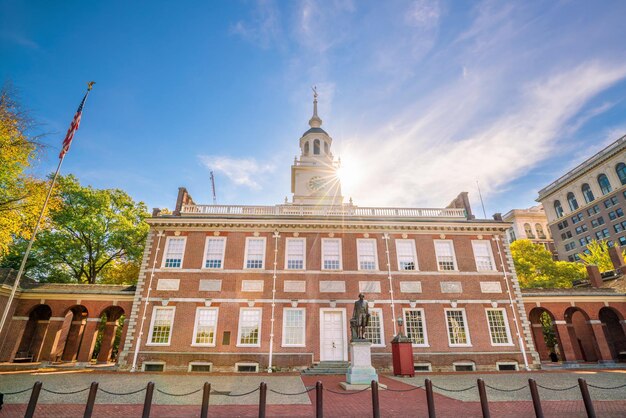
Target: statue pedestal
x=361, y=373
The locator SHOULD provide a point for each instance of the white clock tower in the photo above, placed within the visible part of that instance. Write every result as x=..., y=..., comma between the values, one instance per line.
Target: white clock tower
x=314, y=179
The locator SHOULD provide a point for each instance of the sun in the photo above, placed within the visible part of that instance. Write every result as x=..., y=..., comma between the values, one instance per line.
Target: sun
x=349, y=176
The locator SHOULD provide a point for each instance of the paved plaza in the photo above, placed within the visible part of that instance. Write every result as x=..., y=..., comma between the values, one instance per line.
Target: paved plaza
x=237, y=395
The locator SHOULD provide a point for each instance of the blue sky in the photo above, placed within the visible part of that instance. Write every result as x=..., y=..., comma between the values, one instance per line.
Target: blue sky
x=422, y=98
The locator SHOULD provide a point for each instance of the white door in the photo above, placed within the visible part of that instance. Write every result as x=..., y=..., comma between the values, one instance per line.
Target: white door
x=332, y=343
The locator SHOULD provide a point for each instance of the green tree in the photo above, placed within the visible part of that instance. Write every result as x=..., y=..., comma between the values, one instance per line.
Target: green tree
x=598, y=253
x=536, y=268
x=95, y=236
x=21, y=196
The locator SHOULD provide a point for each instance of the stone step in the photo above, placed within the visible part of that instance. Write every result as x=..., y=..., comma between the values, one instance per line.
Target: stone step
x=328, y=367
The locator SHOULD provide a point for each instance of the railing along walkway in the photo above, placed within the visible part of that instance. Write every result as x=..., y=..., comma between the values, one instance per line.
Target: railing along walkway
x=319, y=396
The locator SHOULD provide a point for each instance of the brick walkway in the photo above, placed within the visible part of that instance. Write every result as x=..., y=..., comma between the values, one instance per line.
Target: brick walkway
x=410, y=403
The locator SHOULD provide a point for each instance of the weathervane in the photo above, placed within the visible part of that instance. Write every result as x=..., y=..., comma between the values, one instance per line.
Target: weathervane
x=314, y=88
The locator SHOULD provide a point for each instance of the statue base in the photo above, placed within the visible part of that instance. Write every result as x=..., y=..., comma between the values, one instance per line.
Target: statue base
x=361, y=371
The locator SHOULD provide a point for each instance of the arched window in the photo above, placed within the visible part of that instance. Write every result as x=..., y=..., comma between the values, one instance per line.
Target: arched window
x=306, y=148
x=540, y=233
x=587, y=193
x=605, y=185
x=571, y=199
x=316, y=147
x=326, y=148
x=621, y=172
x=558, y=209
x=528, y=230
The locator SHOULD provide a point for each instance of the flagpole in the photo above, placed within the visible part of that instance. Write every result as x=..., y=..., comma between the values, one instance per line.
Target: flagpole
x=32, y=238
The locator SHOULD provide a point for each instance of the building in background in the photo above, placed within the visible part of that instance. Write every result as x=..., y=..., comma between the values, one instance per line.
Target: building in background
x=245, y=288
x=530, y=224
x=588, y=202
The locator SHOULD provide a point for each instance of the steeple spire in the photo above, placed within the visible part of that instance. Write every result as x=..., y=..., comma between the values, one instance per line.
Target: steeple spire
x=315, y=121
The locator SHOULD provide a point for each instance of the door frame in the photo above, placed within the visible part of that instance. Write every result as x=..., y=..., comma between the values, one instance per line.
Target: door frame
x=342, y=311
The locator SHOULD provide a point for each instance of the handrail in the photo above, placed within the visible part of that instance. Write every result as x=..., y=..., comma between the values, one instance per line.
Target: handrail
x=312, y=210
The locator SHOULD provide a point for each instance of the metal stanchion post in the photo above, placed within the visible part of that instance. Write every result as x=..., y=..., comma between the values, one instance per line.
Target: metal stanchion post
x=206, y=392
x=484, y=403
x=147, y=403
x=534, y=393
x=430, y=399
x=262, y=399
x=319, y=401
x=32, y=403
x=584, y=390
x=91, y=400
x=375, y=403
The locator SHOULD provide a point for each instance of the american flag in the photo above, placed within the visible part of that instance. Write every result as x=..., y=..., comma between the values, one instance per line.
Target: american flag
x=74, y=125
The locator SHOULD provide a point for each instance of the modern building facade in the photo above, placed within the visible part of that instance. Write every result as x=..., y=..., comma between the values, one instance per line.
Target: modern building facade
x=243, y=288
x=588, y=202
x=530, y=224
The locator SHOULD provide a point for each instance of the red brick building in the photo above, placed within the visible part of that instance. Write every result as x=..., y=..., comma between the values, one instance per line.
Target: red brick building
x=252, y=287
x=54, y=322
x=247, y=288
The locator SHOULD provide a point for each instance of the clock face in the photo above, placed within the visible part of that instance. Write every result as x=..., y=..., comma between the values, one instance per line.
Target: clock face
x=316, y=183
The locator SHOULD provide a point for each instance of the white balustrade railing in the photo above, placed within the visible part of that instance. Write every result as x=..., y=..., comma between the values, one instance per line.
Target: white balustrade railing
x=310, y=210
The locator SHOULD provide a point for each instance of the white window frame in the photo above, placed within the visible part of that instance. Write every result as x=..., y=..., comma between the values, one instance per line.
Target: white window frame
x=246, y=364
x=150, y=363
x=411, y=242
x=358, y=253
x=506, y=363
x=506, y=326
x=379, y=311
x=245, y=261
x=423, y=315
x=287, y=253
x=260, y=323
x=195, y=327
x=182, y=257
x=153, y=318
x=303, y=344
x=463, y=363
x=429, y=365
x=487, y=243
x=465, y=325
x=324, y=240
x=451, y=242
x=206, y=248
x=200, y=363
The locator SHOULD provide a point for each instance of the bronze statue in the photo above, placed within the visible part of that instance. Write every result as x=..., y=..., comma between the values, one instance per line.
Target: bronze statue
x=360, y=318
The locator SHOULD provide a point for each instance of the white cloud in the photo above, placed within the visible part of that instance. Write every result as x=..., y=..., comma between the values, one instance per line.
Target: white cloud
x=431, y=158
x=241, y=171
x=263, y=28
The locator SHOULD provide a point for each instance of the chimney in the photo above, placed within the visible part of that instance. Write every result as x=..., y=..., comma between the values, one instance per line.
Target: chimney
x=184, y=198
x=617, y=259
x=594, y=275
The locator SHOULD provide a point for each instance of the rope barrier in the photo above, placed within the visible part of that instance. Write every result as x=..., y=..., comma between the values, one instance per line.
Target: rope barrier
x=557, y=389
x=64, y=393
x=605, y=388
x=122, y=393
x=178, y=394
x=236, y=395
x=454, y=390
x=17, y=393
x=404, y=390
x=347, y=393
x=307, y=390
x=506, y=390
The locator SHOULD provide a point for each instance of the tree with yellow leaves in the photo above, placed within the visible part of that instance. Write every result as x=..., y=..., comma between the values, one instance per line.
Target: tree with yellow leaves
x=21, y=195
